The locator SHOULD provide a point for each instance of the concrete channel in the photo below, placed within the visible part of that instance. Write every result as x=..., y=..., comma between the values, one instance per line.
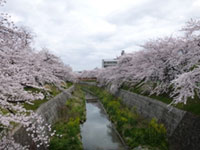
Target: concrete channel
x=98, y=132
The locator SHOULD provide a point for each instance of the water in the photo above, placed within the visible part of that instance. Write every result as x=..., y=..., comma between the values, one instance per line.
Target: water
x=97, y=132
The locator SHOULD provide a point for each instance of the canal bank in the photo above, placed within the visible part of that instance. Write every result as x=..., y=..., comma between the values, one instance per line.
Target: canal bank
x=84, y=125
x=89, y=124
x=49, y=111
x=67, y=128
x=136, y=131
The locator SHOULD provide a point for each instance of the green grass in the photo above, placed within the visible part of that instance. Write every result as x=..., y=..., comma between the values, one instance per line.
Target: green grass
x=69, y=126
x=193, y=105
x=36, y=104
x=69, y=136
x=76, y=108
x=66, y=85
x=53, y=91
x=3, y=111
x=134, y=129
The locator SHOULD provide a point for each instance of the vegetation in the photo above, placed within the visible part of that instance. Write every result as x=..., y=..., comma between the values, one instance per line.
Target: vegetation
x=66, y=85
x=170, y=64
x=35, y=104
x=53, y=91
x=134, y=129
x=68, y=137
x=193, y=105
x=68, y=128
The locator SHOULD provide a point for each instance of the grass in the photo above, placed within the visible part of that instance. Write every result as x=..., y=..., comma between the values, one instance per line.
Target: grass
x=36, y=104
x=53, y=91
x=193, y=105
x=68, y=136
x=66, y=85
x=68, y=127
x=3, y=111
x=134, y=129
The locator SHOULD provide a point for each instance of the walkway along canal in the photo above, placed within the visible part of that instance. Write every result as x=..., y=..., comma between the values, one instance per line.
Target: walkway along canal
x=97, y=132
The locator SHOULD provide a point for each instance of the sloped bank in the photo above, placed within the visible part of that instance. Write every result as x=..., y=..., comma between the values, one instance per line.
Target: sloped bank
x=49, y=111
x=183, y=128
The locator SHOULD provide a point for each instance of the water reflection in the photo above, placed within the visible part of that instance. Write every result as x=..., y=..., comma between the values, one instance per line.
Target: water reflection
x=97, y=132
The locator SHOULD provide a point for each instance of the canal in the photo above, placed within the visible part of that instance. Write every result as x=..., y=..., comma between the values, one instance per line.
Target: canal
x=97, y=132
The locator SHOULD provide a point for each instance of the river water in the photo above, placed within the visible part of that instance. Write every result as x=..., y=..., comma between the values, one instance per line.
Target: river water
x=97, y=132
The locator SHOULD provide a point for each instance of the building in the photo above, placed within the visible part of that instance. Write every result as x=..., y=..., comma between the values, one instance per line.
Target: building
x=109, y=62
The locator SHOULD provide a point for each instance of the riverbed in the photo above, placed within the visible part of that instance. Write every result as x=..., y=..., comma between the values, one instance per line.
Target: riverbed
x=97, y=132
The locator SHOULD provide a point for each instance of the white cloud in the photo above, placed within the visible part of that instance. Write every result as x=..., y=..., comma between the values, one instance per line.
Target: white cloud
x=82, y=32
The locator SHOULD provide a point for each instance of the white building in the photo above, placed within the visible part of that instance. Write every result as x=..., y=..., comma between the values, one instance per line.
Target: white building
x=109, y=62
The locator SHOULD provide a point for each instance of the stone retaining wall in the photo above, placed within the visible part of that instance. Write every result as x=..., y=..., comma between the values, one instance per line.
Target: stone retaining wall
x=150, y=108
x=183, y=128
x=187, y=134
x=49, y=111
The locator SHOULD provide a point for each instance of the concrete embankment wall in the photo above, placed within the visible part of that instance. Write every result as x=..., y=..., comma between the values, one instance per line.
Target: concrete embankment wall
x=150, y=108
x=183, y=128
x=49, y=111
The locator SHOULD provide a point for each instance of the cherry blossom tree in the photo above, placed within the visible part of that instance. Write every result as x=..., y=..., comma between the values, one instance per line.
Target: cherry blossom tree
x=88, y=73
x=21, y=67
x=165, y=65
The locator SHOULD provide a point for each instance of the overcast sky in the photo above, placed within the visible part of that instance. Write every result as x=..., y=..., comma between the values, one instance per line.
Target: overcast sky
x=83, y=32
